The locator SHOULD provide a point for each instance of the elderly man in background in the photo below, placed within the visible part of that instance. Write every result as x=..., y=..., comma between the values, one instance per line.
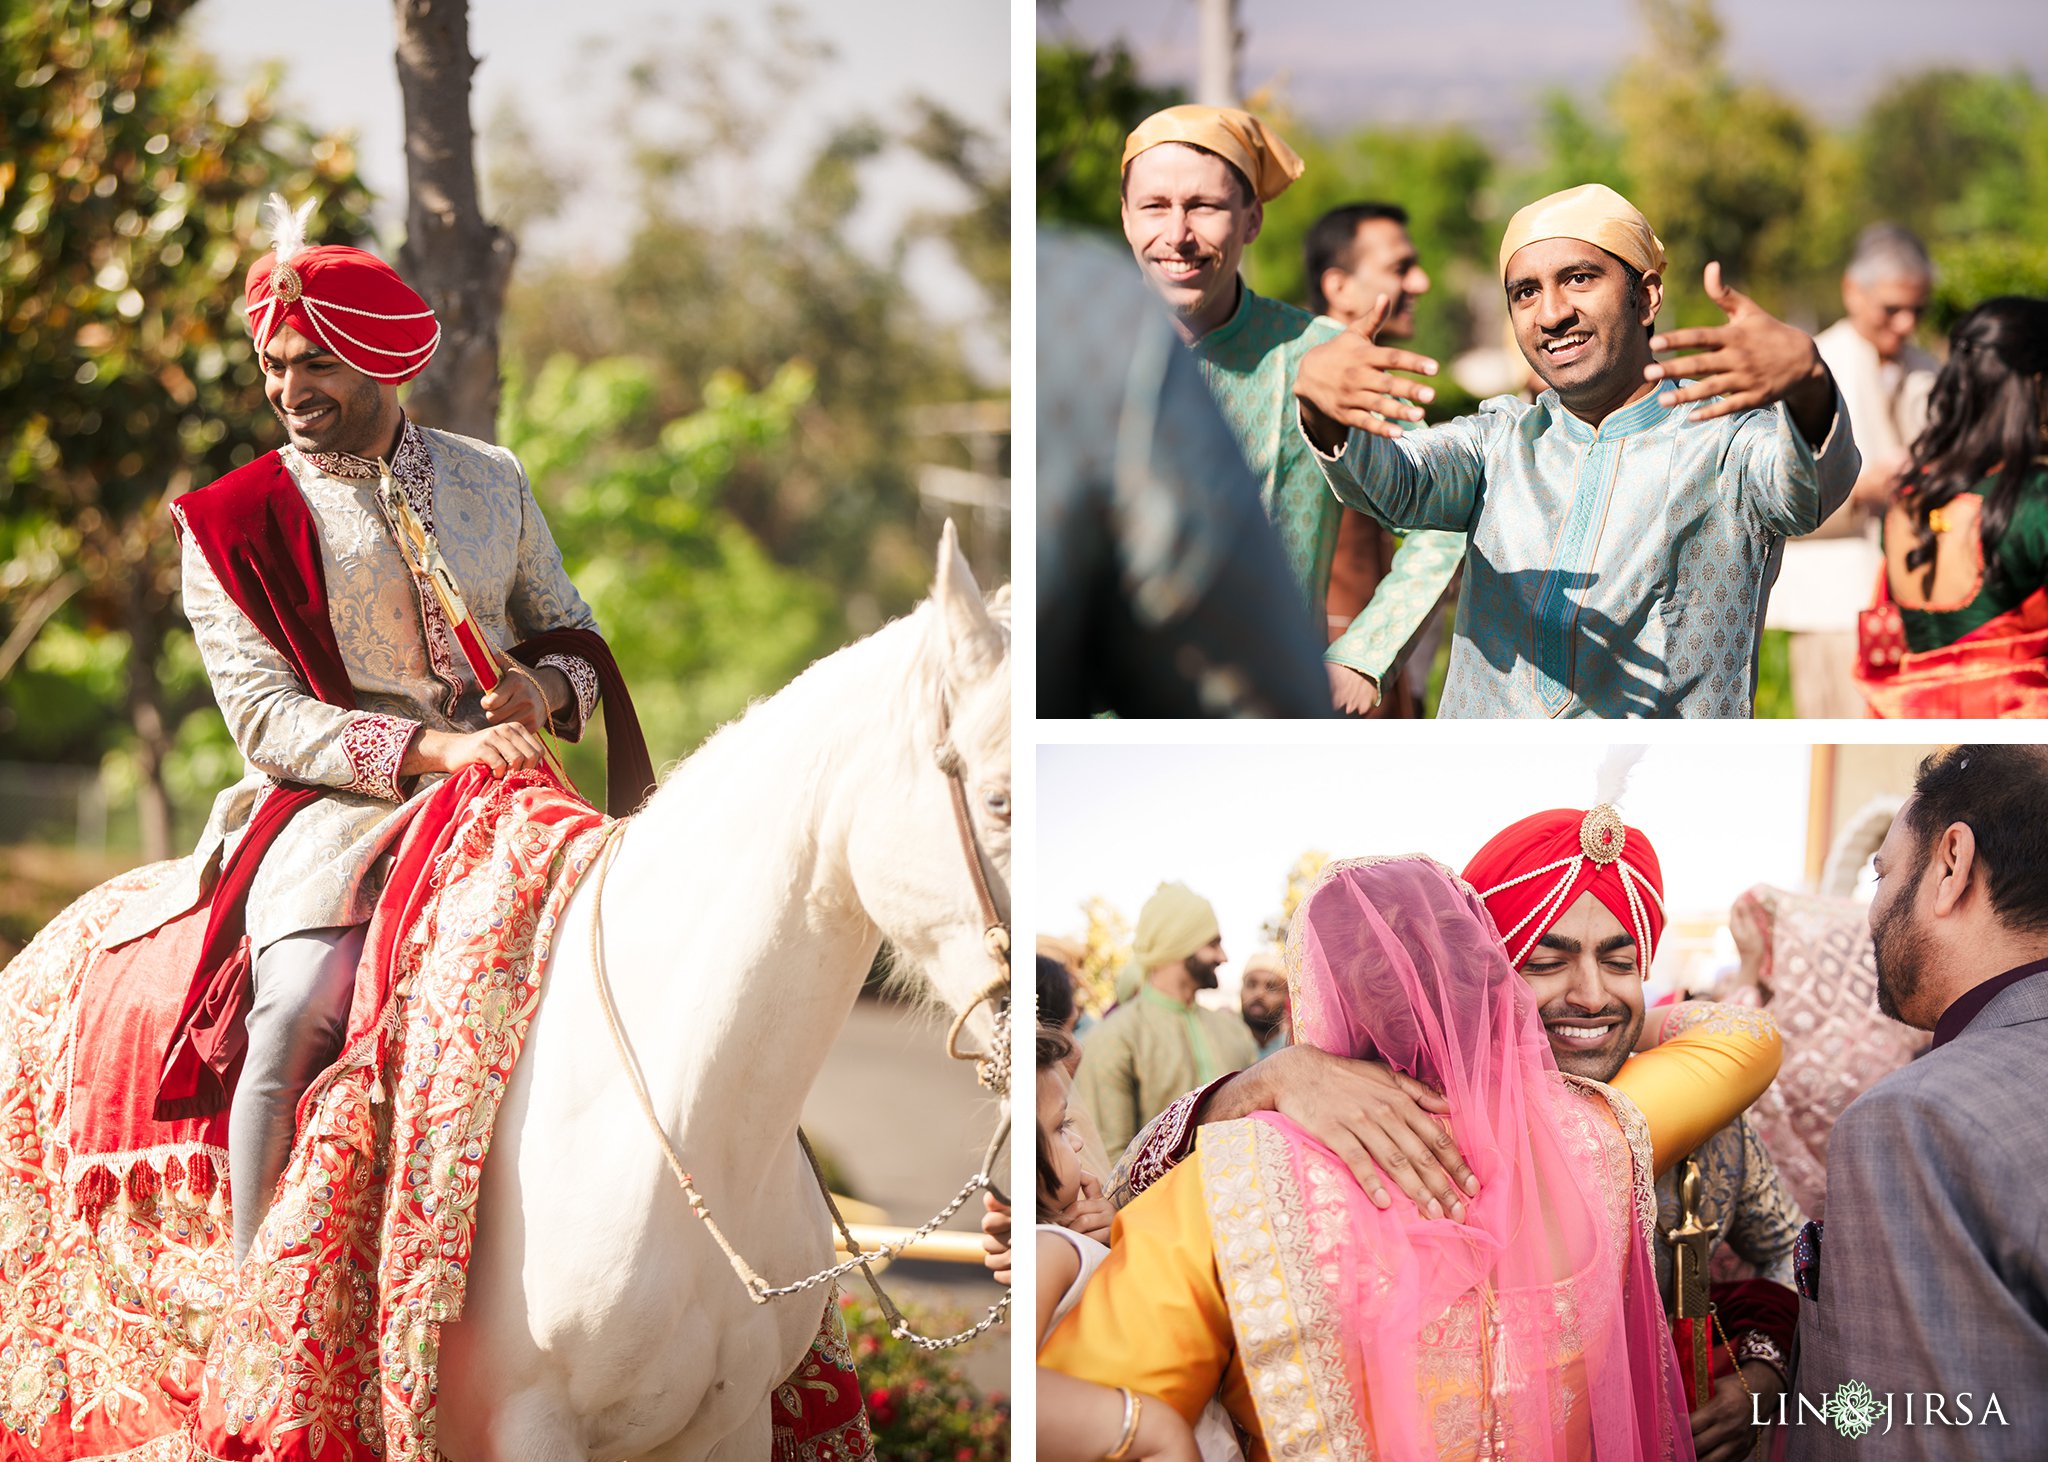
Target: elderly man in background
x=1160, y=1042
x=1885, y=379
x=1626, y=525
x=1351, y=256
x=1195, y=184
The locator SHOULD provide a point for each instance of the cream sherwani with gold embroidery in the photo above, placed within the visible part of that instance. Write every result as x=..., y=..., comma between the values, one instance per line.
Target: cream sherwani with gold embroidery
x=327, y=866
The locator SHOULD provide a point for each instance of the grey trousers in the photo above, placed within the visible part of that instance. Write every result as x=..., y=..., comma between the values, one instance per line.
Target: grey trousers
x=303, y=986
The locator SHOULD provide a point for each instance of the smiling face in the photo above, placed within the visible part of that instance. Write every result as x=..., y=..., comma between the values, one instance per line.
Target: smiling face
x=1577, y=325
x=1588, y=986
x=325, y=404
x=1188, y=216
x=1383, y=262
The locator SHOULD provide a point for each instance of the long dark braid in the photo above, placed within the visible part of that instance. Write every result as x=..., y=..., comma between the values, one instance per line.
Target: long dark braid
x=1984, y=418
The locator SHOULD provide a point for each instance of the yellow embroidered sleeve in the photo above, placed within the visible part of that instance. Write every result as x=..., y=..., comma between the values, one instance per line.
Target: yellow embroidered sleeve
x=1713, y=1062
x=1153, y=1317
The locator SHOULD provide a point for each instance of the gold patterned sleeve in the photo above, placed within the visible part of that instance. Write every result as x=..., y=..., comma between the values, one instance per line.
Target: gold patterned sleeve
x=1153, y=1317
x=279, y=727
x=1713, y=1061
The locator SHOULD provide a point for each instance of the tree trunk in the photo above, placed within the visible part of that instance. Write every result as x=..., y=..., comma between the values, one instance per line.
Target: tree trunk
x=452, y=255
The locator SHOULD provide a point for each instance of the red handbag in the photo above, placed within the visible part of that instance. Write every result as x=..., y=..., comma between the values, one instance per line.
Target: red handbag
x=1880, y=634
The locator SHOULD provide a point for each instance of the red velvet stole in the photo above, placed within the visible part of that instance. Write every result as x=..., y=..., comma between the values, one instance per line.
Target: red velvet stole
x=629, y=771
x=261, y=543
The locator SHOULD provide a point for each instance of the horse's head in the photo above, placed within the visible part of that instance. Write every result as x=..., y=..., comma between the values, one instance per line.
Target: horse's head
x=908, y=862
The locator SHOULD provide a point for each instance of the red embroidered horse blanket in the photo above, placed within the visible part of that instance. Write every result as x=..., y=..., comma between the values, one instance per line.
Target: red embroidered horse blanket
x=126, y=1331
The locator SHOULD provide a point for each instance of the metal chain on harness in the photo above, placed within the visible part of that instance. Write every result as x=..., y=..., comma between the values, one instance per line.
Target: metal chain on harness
x=993, y=1070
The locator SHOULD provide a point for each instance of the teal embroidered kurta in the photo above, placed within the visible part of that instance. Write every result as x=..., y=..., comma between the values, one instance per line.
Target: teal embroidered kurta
x=1249, y=363
x=1621, y=571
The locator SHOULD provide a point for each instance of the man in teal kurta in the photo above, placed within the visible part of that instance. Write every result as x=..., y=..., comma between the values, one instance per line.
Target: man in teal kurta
x=1626, y=527
x=1159, y=1042
x=1196, y=180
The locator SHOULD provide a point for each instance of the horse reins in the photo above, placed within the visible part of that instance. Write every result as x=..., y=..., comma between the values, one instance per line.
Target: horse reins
x=993, y=1072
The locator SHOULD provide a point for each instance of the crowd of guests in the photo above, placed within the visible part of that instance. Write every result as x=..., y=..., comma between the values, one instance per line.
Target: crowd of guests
x=1444, y=1185
x=1615, y=536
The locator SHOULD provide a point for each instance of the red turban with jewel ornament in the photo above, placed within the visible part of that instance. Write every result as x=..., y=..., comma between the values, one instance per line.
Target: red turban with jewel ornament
x=350, y=303
x=1531, y=873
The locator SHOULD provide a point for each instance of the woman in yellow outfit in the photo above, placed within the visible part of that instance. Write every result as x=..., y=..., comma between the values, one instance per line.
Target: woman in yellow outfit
x=1198, y=1296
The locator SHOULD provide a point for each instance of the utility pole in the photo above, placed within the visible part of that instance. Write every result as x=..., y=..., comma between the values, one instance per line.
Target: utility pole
x=1220, y=42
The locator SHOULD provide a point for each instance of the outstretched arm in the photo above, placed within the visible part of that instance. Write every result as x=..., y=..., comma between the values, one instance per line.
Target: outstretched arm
x=1699, y=1066
x=1346, y=383
x=1349, y=404
x=1753, y=360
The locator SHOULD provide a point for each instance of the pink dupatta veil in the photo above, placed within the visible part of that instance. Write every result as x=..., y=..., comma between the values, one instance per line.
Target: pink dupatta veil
x=1532, y=1329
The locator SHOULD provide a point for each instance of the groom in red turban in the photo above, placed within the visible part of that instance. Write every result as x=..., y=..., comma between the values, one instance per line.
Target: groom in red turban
x=348, y=685
x=1578, y=898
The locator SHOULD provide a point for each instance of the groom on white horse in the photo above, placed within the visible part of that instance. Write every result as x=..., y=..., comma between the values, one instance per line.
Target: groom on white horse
x=343, y=677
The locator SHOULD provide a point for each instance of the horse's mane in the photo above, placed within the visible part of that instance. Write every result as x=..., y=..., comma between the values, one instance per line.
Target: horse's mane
x=886, y=671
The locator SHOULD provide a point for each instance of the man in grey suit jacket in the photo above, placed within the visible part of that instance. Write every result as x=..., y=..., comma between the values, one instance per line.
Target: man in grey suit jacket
x=1923, y=1325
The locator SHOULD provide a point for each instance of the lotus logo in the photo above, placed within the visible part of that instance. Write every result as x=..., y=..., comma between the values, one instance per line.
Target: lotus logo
x=1853, y=1409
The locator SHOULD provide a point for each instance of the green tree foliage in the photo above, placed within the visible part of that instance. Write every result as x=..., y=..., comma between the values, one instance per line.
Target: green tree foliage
x=1088, y=102
x=1441, y=177
x=978, y=235
x=1718, y=167
x=723, y=273
x=128, y=198
x=704, y=620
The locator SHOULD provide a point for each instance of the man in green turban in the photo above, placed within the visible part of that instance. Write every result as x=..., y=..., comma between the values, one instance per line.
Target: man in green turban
x=1159, y=1043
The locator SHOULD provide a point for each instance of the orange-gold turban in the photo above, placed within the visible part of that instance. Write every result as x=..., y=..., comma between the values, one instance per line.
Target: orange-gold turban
x=1239, y=138
x=1593, y=213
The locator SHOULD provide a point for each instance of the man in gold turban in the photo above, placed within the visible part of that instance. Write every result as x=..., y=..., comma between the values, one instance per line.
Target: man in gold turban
x=1159, y=1042
x=1627, y=525
x=1195, y=184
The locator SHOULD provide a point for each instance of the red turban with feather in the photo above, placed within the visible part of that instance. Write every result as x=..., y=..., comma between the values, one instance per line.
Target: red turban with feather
x=350, y=303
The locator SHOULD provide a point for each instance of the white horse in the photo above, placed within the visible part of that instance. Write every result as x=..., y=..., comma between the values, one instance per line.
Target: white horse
x=743, y=908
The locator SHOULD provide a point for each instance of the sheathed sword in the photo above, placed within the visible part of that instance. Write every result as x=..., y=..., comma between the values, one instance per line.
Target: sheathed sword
x=1691, y=1312
x=423, y=556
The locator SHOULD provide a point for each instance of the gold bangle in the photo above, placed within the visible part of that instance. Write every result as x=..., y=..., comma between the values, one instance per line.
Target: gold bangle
x=1134, y=1407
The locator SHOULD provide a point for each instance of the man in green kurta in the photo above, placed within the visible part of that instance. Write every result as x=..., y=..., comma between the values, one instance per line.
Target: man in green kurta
x=1195, y=184
x=1159, y=1043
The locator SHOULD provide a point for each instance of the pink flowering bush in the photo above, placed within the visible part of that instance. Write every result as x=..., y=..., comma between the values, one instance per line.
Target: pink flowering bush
x=920, y=1407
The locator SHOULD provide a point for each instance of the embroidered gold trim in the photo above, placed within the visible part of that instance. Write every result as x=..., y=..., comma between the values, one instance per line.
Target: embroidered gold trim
x=1287, y=1339
x=1717, y=1019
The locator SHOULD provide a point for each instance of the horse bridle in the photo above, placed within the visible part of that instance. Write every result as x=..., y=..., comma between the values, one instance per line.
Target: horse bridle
x=993, y=1071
